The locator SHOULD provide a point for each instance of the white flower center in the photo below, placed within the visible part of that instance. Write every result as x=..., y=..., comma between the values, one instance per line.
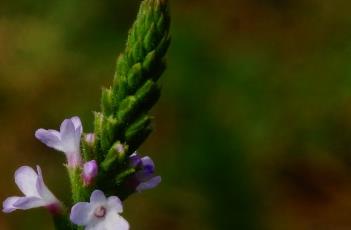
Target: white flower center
x=100, y=212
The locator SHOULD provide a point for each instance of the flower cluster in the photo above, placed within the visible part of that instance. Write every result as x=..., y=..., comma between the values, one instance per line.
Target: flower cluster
x=100, y=213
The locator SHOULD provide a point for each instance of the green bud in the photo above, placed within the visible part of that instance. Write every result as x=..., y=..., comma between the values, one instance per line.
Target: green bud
x=107, y=101
x=158, y=71
x=126, y=109
x=108, y=132
x=152, y=38
x=139, y=125
x=98, y=133
x=88, y=146
x=162, y=23
x=150, y=61
x=115, y=156
x=123, y=175
x=135, y=77
x=138, y=132
x=122, y=66
x=138, y=52
x=147, y=96
x=163, y=45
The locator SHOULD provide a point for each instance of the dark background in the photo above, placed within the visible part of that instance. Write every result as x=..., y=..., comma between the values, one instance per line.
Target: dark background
x=253, y=129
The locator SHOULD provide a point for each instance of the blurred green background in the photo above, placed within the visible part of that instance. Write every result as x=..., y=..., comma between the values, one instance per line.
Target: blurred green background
x=253, y=129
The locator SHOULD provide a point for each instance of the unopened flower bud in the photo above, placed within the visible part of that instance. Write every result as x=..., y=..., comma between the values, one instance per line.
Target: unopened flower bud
x=90, y=171
x=90, y=138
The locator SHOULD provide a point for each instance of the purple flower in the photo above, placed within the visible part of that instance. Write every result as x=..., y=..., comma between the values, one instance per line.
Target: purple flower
x=144, y=177
x=100, y=213
x=90, y=171
x=36, y=193
x=67, y=140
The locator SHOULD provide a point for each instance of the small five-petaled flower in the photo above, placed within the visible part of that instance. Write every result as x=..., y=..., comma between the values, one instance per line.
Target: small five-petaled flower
x=100, y=213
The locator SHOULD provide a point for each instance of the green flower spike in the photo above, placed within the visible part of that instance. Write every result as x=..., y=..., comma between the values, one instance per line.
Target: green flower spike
x=124, y=123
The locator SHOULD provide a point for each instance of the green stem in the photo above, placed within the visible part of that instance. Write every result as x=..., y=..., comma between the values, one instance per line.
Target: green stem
x=79, y=192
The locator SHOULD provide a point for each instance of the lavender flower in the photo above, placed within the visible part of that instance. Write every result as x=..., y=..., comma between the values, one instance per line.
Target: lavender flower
x=36, y=193
x=67, y=140
x=144, y=178
x=100, y=214
x=90, y=171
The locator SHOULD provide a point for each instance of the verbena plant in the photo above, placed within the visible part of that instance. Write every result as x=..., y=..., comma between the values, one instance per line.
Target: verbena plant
x=103, y=166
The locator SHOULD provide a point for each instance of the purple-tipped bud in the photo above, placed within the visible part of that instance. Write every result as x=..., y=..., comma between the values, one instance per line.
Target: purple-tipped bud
x=90, y=138
x=120, y=148
x=90, y=171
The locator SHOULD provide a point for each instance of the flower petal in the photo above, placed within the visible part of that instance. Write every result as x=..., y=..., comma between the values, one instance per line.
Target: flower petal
x=51, y=138
x=29, y=202
x=97, y=225
x=81, y=213
x=42, y=189
x=26, y=180
x=55, y=133
x=8, y=204
x=97, y=197
x=77, y=123
x=114, y=203
x=78, y=128
x=153, y=182
x=147, y=162
x=69, y=140
x=144, y=175
x=114, y=221
x=134, y=160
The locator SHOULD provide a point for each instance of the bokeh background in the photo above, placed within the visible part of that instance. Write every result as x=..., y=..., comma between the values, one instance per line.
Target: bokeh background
x=253, y=129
